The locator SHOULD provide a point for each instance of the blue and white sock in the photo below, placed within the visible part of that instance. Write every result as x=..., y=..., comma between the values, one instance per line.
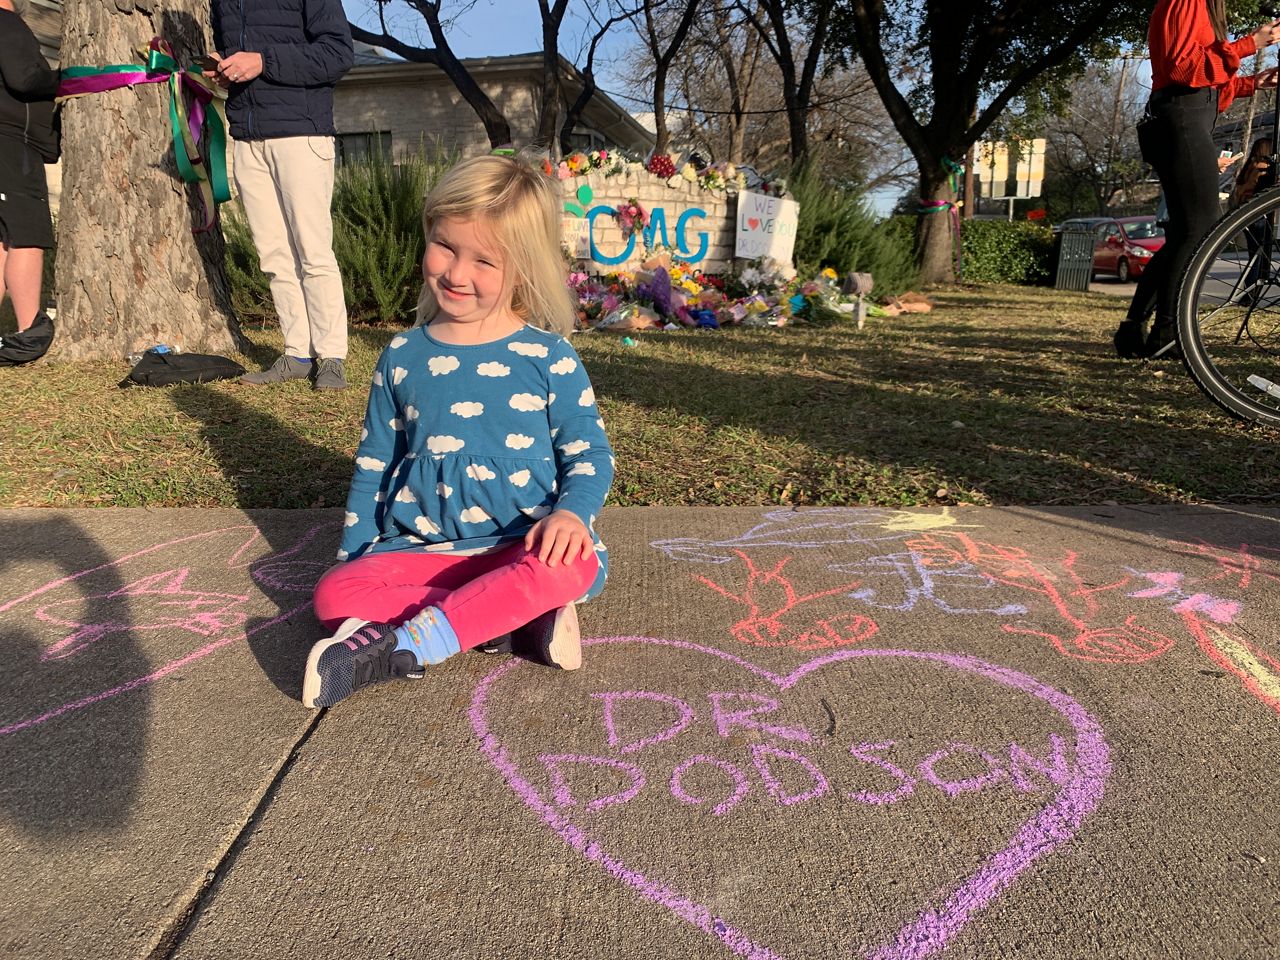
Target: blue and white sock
x=428, y=636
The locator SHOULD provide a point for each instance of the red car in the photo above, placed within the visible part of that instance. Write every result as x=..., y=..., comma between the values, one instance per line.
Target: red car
x=1125, y=246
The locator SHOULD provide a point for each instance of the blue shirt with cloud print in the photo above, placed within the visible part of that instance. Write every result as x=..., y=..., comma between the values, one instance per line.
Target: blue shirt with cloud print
x=464, y=448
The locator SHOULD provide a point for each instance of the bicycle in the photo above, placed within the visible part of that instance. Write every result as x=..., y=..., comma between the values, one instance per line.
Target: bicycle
x=1229, y=303
x=1229, y=311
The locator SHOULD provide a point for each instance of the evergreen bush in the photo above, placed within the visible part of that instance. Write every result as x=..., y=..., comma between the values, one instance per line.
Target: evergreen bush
x=838, y=229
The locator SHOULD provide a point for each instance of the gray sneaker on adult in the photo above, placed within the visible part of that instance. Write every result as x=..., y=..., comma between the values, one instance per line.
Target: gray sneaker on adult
x=285, y=368
x=329, y=375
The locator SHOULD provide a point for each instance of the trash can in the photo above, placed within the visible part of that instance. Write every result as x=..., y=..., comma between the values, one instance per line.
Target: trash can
x=1075, y=257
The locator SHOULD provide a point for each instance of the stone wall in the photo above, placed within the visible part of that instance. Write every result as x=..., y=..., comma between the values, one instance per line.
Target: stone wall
x=699, y=224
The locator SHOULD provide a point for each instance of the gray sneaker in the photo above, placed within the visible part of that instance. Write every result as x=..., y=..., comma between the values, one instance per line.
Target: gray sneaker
x=329, y=375
x=285, y=368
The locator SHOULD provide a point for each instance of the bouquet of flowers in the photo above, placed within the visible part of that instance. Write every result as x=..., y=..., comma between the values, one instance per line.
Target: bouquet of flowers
x=662, y=165
x=631, y=216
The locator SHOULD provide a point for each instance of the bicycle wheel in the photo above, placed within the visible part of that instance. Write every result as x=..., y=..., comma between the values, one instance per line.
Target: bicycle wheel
x=1229, y=312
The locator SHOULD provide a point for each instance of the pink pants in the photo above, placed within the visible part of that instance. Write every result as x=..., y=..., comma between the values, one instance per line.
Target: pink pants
x=483, y=596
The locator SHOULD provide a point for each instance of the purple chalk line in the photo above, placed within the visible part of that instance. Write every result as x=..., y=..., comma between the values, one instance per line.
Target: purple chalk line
x=929, y=933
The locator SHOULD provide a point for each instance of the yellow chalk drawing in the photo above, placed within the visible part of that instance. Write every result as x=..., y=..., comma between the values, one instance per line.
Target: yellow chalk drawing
x=908, y=522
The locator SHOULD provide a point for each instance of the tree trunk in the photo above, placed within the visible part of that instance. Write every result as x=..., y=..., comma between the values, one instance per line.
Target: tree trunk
x=131, y=274
x=935, y=234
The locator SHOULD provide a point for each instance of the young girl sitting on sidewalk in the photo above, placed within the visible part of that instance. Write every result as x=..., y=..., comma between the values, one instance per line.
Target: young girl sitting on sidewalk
x=483, y=462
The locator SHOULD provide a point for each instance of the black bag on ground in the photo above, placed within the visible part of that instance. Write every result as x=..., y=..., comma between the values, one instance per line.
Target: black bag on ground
x=165, y=369
x=31, y=344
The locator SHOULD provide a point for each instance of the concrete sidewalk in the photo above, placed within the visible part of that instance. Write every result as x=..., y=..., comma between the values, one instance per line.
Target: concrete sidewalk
x=1045, y=733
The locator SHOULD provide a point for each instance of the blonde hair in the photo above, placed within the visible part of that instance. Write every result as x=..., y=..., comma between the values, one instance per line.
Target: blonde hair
x=520, y=207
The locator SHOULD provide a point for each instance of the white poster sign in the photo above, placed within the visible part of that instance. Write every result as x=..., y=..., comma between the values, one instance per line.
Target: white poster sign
x=766, y=227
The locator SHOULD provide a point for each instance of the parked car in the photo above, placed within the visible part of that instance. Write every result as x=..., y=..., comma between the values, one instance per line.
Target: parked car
x=1122, y=246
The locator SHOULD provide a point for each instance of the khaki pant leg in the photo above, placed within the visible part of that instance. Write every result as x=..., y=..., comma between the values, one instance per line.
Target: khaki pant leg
x=303, y=171
x=264, y=209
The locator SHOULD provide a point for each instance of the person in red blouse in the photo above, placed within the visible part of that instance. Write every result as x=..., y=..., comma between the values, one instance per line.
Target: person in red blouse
x=1194, y=75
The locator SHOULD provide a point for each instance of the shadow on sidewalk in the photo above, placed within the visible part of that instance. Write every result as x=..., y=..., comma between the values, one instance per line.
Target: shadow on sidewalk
x=67, y=642
x=296, y=560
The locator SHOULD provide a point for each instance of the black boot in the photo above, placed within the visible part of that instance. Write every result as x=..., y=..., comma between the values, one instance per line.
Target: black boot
x=1129, y=340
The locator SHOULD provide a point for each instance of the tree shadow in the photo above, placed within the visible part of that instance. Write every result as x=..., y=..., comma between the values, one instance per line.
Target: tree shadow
x=68, y=645
x=295, y=562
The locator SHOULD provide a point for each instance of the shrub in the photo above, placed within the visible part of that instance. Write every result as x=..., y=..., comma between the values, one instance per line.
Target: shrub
x=838, y=229
x=997, y=251
x=377, y=238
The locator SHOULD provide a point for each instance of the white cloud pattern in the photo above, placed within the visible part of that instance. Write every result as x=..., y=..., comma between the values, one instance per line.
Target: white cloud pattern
x=582, y=469
x=467, y=409
x=518, y=441
x=411, y=412
x=528, y=349
x=478, y=471
x=527, y=402
x=493, y=369
x=444, y=444
x=370, y=463
x=519, y=478
x=377, y=378
x=395, y=424
x=398, y=374
x=426, y=525
x=564, y=365
x=444, y=490
x=588, y=398
x=538, y=512
x=473, y=515
x=439, y=366
x=574, y=447
x=405, y=495
x=350, y=519
x=398, y=342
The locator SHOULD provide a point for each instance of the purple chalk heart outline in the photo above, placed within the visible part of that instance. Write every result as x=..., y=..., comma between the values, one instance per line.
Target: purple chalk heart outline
x=937, y=925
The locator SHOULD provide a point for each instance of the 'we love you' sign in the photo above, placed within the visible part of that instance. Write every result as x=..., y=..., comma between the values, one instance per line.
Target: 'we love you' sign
x=766, y=227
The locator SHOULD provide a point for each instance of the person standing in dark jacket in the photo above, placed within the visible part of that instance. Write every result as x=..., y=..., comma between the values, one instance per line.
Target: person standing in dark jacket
x=27, y=143
x=280, y=60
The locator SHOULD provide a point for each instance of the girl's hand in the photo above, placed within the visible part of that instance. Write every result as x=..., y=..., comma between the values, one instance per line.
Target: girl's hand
x=560, y=537
x=1266, y=35
x=1266, y=79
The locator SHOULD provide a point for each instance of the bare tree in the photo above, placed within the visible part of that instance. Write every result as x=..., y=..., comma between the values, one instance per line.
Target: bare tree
x=441, y=55
x=1093, y=143
x=574, y=113
x=131, y=273
x=782, y=20
x=664, y=48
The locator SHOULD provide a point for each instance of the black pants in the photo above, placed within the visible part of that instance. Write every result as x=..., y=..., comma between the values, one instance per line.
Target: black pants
x=1176, y=137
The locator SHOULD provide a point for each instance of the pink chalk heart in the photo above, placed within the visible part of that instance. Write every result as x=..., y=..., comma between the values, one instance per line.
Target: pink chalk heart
x=753, y=222
x=1080, y=788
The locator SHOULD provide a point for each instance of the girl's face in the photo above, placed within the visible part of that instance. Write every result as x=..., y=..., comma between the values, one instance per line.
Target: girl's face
x=463, y=268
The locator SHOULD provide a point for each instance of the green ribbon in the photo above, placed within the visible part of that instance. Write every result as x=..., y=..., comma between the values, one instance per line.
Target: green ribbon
x=197, y=116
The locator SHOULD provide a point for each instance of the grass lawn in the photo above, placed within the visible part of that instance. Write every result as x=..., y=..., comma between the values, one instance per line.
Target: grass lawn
x=1003, y=395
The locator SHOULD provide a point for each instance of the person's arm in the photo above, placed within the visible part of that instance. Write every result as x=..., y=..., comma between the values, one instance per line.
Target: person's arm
x=1191, y=63
x=382, y=448
x=584, y=459
x=23, y=67
x=323, y=59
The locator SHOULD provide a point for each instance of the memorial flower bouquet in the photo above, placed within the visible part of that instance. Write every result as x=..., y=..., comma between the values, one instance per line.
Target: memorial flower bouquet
x=631, y=216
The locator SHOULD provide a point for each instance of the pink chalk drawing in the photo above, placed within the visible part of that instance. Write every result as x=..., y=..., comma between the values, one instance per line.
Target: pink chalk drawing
x=1059, y=582
x=1075, y=787
x=167, y=601
x=168, y=607
x=1239, y=565
x=767, y=629
x=1168, y=584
